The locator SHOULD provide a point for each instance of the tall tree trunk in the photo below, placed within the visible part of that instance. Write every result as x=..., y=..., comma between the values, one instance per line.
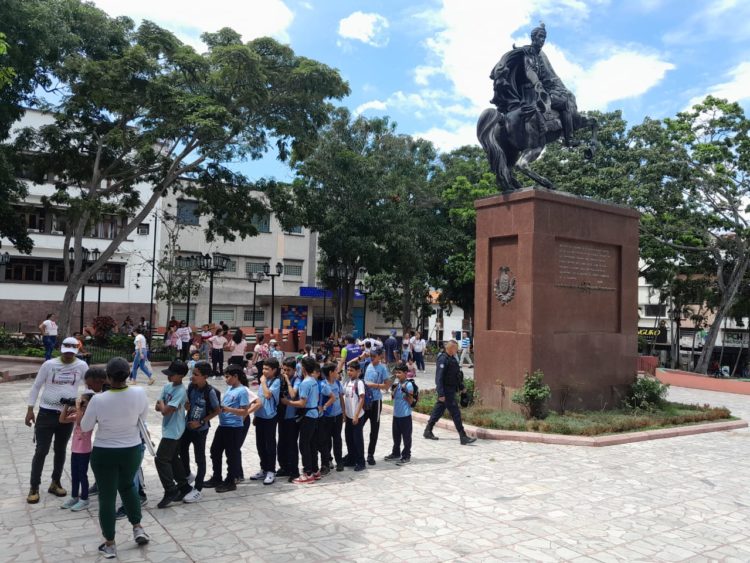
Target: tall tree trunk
x=725, y=305
x=406, y=305
x=66, y=308
x=739, y=354
x=347, y=320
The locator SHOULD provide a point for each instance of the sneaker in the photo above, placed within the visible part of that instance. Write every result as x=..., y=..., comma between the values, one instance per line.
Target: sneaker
x=392, y=457
x=258, y=476
x=325, y=470
x=191, y=478
x=404, y=461
x=211, y=483
x=303, y=479
x=226, y=487
x=187, y=489
x=150, y=380
x=56, y=489
x=283, y=473
x=465, y=440
x=93, y=490
x=167, y=499
x=292, y=477
x=359, y=468
x=317, y=476
x=108, y=551
x=80, y=505
x=193, y=496
x=270, y=478
x=371, y=460
x=140, y=536
x=70, y=502
x=120, y=514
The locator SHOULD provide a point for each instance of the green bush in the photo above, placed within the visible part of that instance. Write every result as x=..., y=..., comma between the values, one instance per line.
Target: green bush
x=122, y=341
x=33, y=352
x=646, y=394
x=533, y=395
x=471, y=393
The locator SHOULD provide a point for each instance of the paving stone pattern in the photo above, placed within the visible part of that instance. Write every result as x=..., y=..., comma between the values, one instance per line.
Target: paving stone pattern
x=683, y=499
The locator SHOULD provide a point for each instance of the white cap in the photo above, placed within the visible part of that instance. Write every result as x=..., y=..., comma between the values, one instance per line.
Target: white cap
x=272, y=341
x=69, y=345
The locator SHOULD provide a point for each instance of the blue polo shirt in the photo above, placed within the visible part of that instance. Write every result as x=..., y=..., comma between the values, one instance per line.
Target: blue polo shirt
x=236, y=398
x=173, y=425
x=376, y=374
x=308, y=390
x=291, y=412
x=334, y=389
x=401, y=407
x=268, y=408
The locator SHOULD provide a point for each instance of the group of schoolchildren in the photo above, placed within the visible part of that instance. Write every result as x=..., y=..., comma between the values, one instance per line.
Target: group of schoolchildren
x=307, y=403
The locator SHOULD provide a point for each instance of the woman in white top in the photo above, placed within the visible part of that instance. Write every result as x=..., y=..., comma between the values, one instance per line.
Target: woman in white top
x=140, y=356
x=418, y=346
x=237, y=348
x=116, y=455
x=185, y=333
x=48, y=328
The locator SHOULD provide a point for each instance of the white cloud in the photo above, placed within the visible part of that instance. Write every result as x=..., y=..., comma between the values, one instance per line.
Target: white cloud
x=372, y=104
x=306, y=5
x=189, y=18
x=447, y=139
x=423, y=73
x=736, y=89
x=369, y=28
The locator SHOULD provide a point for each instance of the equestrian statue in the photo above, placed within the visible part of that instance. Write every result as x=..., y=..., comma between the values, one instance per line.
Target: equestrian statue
x=533, y=108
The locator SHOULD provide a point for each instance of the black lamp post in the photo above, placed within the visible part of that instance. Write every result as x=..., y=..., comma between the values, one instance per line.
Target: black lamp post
x=207, y=263
x=267, y=272
x=101, y=277
x=365, y=291
x=188, y=264
x=85, y=253
x=255, y=278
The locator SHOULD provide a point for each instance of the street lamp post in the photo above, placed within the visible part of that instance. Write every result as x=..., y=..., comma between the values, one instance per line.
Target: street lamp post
x=255, y=278
x=207, y=263
x=85, y=253
x=187, y=263
x=365, y=291
x=101, y=277
x=267, y=272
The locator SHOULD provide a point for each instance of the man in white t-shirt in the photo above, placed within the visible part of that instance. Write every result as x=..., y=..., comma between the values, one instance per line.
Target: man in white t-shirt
x=184, y=332
x=58, y=379
x=48, y=328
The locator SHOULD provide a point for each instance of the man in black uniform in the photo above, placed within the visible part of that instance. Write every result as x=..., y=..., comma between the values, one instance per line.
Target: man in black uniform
x=448, y=382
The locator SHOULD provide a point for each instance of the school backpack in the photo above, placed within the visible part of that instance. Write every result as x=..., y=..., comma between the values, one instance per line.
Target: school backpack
x=368, y=393
x=415, y=394
x=207, y=394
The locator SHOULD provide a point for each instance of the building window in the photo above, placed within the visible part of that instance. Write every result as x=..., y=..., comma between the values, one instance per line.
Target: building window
x=655, y=310
x=107, y=228
x=226, y=315
x=231, y=266
x=253, y=267
x=293, y=269
x=187, y=212
x=178, y=311
x=20, y=270
x=262, y=222
x=297, y=230
x=56, y=272
x=144, y=228
x=35, y=220
x=260, y=316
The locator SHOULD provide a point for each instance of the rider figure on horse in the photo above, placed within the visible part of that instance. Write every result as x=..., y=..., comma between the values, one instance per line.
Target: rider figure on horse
x=524, y=76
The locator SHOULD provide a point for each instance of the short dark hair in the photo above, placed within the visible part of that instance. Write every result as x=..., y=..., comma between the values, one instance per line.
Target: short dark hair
x=327, y=369
x=238, y=336
x=204, y=368
x=350, y=339
x=118, y=369
x=354, y=364
x=289, y=362
x=95, y=373
x=309, y=365
x=401, y=367
x=272, y=363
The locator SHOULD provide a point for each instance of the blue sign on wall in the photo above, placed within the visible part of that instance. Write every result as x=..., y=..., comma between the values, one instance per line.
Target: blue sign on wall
x=316, y=292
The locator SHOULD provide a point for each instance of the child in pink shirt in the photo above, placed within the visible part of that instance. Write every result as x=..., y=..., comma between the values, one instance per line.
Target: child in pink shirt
x=80, y=453
x=412, y=371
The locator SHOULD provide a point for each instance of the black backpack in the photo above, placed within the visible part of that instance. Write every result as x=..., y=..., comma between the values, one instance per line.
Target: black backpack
x=207, y=394
x=415, y=394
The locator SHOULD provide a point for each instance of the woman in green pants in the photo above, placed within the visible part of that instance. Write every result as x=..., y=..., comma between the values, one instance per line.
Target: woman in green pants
x=116, y=455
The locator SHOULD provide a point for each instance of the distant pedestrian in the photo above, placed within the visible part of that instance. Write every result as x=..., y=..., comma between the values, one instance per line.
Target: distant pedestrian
x=465, y=350
x=185, y=333
x=217, y=342
x=237, y=347
x=206, y=335
x=58, y=380
x=48, y=328
x=391, y=349
x=140, y=357
x=418, y=346
x=448, y=382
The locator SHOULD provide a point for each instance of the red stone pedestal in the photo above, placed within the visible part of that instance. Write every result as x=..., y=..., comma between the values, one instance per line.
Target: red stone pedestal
x=556, y=290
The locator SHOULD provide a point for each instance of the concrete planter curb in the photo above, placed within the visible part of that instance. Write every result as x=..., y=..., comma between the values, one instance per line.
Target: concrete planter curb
x=691, y=380
x=590, y=441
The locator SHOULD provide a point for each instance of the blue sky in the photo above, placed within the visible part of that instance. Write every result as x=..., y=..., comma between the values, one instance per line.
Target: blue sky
x=426, y=63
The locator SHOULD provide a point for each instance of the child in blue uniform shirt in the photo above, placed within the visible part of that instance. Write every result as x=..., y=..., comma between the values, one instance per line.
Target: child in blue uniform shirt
x=308, y=401
x=329, y=425
x=288, y=452
x=265, y=421
x=403, y=398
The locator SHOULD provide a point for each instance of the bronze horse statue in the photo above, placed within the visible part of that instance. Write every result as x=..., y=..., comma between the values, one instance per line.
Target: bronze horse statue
x=532, y=108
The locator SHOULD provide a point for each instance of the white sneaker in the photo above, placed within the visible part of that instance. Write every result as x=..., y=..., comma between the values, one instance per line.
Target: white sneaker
x=193, y=496
x=258, y=476
x=270, y=478
x=191, y=478
x=80, y=505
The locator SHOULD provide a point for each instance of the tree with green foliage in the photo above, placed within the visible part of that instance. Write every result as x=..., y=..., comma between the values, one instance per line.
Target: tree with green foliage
x=146, y=114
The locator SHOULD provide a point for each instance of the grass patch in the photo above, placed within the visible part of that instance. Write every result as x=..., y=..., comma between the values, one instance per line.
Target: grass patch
x=585, y=423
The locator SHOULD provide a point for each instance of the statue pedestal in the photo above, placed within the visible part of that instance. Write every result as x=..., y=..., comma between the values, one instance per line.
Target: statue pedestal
x=557, y=291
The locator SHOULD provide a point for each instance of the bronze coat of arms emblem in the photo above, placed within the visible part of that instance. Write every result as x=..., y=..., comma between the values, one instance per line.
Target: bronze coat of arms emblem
x=505, y=285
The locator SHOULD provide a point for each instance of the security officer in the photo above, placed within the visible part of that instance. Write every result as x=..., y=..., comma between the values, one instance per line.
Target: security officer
x=448, y=381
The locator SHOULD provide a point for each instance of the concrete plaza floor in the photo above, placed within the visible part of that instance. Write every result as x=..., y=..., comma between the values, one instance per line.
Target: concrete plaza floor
x=682, y=499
